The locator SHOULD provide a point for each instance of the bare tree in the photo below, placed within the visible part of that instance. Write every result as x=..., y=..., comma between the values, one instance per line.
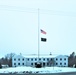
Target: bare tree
x=9, y=57
x=52, y=62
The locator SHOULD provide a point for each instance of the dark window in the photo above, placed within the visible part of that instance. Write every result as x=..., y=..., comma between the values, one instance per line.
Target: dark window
x=44, y=59
x=14, y=59
x=28, y=59
x=35, y=59
x=56, y=63
x=51, y=59
x=60, y=58
x=64, y=63
x=22, y=63
x=64, y=58
x=23, y=59
x=18, y=59
x=60, y=63
x=47, y=64
x=43, y=64
x=47, y=59
x=31, y=63
x=39, y=58
x=35, y=63
x=14, y=63
x=32, y=59
x=56, y=59
x=18, y=63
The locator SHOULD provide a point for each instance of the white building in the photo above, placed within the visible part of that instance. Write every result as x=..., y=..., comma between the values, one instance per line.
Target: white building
x=45, y=60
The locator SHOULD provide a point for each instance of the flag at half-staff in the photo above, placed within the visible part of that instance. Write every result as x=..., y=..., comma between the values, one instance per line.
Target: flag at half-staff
x=42, y=31
x=43, y=39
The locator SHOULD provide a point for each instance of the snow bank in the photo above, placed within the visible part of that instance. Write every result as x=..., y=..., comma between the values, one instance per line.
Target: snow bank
x=37, y=70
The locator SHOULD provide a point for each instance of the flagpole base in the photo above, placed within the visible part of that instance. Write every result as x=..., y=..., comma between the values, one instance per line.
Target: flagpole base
x=38, y=65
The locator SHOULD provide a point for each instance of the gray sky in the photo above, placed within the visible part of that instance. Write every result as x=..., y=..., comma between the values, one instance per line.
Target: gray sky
x=19, y=26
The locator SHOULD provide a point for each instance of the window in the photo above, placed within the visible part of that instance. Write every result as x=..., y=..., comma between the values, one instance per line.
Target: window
x=31, y=59
x=56, y=63
x=47, y=59
x=14, y=59
x=23, y=59
x=18, y=63
x=51, y=59
x=22, y=63
x=14, y=63
x=64, y=63
x=35, y=63
x=60, y=63
x=35, y=59
x=28, y=59
x=64, y=58
x=44, y=59
x=18, y=59
x=60, y=58
x=31, y=63
x=47, y=64
x=56, y=59
x=43, y=64
x=39, y=58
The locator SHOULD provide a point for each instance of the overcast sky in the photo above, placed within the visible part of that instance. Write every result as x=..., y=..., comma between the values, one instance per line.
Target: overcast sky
x=19, y=26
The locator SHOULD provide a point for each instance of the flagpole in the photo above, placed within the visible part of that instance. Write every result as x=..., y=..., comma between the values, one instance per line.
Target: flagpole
x=38, y=36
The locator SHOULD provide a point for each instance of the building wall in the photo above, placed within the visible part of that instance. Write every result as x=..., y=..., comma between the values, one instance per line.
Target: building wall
x=61, y=61
x=20, y=60
x=33, y=61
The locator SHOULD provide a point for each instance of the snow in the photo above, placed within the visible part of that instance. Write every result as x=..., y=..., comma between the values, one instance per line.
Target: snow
x=36, y=56
x=37, y=70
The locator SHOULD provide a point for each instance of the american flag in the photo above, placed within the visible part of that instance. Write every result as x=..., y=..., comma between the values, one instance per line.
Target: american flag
x=42, y=31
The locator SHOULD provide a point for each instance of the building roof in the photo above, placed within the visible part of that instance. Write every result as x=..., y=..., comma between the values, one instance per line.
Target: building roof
x=40, y=56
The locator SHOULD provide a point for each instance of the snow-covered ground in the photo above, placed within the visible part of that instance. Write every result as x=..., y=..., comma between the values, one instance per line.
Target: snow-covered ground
x=37, y=70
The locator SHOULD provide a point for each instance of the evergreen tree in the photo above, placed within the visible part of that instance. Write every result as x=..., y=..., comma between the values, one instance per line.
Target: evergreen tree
x=0, y=65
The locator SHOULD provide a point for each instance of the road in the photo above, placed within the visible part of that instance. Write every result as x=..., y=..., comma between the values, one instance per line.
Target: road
x=69, y=73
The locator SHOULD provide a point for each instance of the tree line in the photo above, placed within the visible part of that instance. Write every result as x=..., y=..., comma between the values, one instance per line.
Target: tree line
x=7, y=60
x=72, y=60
